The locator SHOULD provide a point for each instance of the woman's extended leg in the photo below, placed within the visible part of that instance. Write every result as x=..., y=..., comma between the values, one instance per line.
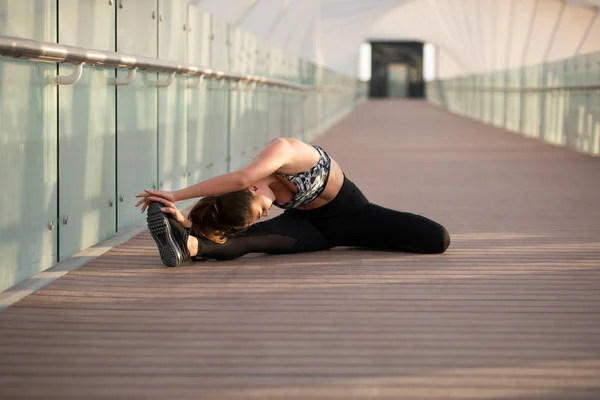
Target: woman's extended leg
x=381, y=228
x=284, y=234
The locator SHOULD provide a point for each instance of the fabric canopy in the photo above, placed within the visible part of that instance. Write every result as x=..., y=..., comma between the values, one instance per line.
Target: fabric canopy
x=469, y=35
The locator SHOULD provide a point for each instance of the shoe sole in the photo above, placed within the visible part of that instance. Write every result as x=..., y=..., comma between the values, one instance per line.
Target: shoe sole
x=160, y=229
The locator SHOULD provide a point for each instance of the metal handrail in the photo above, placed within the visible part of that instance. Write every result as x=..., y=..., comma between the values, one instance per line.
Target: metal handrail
x=59, y=53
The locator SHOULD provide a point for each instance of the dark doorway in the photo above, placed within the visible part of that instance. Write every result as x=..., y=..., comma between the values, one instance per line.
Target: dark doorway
x=396, y=69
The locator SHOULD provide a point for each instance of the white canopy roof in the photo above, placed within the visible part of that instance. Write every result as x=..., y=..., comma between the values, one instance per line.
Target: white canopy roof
x=470, y=35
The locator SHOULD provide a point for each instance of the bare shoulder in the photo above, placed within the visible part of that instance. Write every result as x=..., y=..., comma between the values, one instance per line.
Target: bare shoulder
x=300, y=149
x=303, y=155
x=289, y=142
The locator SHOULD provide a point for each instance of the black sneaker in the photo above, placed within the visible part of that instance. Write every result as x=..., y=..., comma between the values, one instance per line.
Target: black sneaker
x=170, y=236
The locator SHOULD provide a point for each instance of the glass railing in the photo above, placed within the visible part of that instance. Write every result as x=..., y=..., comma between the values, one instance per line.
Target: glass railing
x=557, y=102
x=121, y=98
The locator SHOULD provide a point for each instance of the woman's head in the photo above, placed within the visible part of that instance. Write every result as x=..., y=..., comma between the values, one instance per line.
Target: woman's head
x=218, y=217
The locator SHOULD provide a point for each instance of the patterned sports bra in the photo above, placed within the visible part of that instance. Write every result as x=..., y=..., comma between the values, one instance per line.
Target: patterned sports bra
x=309, y=184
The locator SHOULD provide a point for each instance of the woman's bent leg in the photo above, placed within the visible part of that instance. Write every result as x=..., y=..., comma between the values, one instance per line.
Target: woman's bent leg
x=381, y=228
x=284, y=234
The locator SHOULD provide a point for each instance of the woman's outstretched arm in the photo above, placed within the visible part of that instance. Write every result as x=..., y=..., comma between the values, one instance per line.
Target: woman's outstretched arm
x=277, y=153
x=274, y=156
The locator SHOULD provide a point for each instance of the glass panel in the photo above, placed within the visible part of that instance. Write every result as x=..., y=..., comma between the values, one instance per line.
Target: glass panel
x=28, y=147
x=87, y=132
x=577, y=101
x=217, y=128
x=28, y=162
x=31, y=19
x=198, y=148
x=219, y=50
x=172, y=100
x=87, y=160
x=137, y=124
x=592, y=117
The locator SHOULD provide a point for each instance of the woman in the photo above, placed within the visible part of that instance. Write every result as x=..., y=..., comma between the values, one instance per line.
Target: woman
x=324, y=209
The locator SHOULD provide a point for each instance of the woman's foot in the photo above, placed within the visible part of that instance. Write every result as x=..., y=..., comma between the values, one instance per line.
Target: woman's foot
x=170, y=236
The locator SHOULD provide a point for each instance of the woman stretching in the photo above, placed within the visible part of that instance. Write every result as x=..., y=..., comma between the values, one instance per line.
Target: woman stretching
x=323, y=209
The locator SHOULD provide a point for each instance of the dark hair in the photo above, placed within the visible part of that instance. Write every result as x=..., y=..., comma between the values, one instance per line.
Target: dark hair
x=218, y=217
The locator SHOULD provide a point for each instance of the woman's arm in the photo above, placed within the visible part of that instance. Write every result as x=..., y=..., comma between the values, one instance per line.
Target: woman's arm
x=230, y=182
x=274, y=156
x=277, y=153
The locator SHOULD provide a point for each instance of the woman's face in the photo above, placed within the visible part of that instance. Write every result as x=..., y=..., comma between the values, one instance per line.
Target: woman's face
x=260, y=207
x=263, y=200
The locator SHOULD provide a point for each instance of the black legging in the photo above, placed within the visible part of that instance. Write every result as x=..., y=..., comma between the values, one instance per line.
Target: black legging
x=348, y=220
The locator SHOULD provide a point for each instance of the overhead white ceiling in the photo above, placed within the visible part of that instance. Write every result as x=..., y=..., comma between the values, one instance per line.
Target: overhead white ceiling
x=470, y=35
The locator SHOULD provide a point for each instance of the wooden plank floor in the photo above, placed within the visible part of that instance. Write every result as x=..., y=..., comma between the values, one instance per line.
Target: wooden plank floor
x=511, y=311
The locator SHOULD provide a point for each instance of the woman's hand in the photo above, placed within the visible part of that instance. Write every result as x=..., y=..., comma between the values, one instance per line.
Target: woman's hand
x=148, y=195
x=168, y=208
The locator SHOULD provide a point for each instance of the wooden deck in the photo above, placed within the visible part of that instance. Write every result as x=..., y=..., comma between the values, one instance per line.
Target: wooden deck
x=511, y=311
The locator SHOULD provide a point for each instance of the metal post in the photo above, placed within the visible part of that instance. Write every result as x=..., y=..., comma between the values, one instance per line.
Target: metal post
x=554, y=31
